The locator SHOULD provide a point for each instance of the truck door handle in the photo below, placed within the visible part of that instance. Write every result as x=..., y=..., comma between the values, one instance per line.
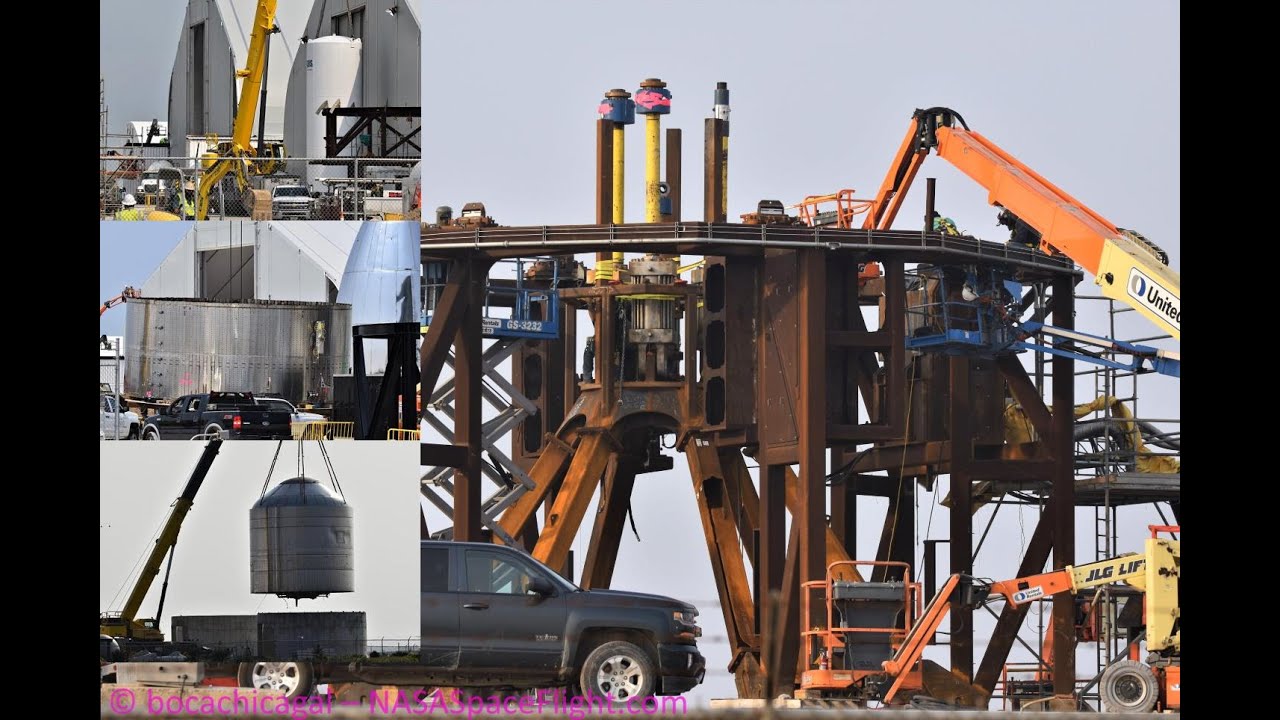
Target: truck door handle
x=476, y=606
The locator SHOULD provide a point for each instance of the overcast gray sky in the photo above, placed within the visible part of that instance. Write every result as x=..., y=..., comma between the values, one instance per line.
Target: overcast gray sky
x=138, y=483
x=139, y=40
x=1086, y=93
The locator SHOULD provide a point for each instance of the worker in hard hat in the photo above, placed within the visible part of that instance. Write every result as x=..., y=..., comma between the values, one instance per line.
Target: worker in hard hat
x=129, y=209
x=1019, y=231
x=944, y=225
x=188, y=200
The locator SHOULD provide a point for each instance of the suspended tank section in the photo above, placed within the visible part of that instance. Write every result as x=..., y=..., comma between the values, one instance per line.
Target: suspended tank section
x=179, y=346
x=301, y=541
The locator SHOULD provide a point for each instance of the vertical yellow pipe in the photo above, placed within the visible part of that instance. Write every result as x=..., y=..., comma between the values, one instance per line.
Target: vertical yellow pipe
x=619, y=186
x=724, y=174
x=619, y=165
x=652, y=156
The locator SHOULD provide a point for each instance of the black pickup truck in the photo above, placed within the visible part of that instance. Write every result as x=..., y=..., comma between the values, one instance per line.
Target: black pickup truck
x=493, y=616
x=235, y=415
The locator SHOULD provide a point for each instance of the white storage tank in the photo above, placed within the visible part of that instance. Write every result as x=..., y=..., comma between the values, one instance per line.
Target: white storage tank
x=333, y=80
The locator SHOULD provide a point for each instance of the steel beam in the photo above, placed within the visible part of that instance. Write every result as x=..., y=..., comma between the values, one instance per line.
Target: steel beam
x=961, y=513
x=573, y=497
x=742, y=498
x=673, y=161
x=844, y=504
x=713, y=188
x=546, y=475
x=610, y=522
x=1063, y=493
x=468, y=433
x=604, y=176
x=723, y=546
x=1011, y=617
x=1024, y=391
x=811, y=516
x=449, y=316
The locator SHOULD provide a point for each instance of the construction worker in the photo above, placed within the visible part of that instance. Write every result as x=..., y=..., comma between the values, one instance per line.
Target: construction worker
x=1019, y=231
x=188, y=201
x=129, y=209
x=944, y=225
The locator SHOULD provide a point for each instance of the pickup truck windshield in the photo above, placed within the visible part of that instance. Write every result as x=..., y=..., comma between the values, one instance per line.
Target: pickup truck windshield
x=291, y=191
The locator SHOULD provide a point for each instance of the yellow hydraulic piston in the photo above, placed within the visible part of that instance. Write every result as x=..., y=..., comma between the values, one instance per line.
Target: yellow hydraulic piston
x=619, y=109
x=652, y=100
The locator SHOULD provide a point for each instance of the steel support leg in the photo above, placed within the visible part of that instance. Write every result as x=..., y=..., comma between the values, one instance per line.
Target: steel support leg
x=610, y=523
x=961, y=514
x=580, y=483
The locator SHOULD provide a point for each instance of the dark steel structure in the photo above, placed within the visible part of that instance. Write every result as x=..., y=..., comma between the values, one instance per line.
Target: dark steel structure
x=777, y=309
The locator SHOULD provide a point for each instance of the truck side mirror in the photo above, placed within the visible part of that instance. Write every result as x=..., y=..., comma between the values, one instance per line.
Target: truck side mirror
x=541, y=586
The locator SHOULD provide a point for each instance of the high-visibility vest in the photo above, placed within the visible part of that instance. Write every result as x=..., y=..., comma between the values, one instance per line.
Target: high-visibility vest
x=129, y=214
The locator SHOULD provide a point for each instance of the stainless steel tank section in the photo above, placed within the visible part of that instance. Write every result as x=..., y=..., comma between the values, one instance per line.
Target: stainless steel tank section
x=179, y=346
x=301, y=542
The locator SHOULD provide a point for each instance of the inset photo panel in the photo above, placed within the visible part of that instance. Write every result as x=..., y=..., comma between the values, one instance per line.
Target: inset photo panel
x=259, y=330
x=260, y=109
x=257, y=571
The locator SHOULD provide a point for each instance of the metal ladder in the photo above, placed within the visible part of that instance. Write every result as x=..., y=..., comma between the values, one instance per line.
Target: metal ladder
x=436, y=483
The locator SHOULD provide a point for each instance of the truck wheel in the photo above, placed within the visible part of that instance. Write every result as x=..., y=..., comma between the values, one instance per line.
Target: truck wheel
x=291, y=678
x=213, y=429
x=150, y=434
x=133, y=433
x=1128, y=686
x=619, y=671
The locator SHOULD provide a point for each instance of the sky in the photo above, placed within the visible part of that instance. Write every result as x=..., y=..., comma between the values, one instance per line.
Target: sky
x=138, y=483
x=1086, y=93
x=128, y=252
x=139, y=40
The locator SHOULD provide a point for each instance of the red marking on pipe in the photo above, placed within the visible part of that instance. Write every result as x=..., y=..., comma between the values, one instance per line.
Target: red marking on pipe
x=649, y=99
x=604, y=108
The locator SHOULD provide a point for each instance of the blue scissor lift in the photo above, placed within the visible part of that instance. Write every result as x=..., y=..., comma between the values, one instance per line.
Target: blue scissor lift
x=535, y=306
x=978, y=315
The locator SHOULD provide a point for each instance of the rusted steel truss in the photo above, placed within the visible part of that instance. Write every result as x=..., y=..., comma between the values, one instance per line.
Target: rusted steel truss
x=780, y=365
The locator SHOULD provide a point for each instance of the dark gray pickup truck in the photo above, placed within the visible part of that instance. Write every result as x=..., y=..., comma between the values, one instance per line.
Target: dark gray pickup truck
x=236, y=415
x=494, y=617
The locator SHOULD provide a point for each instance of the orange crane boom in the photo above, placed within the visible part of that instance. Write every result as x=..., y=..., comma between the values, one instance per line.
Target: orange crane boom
x=1125, y=265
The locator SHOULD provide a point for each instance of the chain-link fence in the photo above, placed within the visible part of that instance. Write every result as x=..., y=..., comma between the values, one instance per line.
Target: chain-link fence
x=149, y=183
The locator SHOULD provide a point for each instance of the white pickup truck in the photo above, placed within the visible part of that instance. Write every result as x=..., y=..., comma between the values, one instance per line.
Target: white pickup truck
x=298, y=419
x=290, y=202
x=114, y=424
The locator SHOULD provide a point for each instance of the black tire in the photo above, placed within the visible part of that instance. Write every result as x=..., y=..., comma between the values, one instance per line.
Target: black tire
x=618, y=670
x=213, y=428
x=133, y=433
x=295, y=677
x=150, y=433
x=1128, y=686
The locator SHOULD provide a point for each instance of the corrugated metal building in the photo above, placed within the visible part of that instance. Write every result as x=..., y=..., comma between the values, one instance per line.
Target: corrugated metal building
x=229, y=260
x=203, y=89
x=391, y=61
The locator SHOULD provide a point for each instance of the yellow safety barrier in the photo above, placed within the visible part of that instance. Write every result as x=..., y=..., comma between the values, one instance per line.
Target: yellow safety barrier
x=399, y=434
x=328, y=430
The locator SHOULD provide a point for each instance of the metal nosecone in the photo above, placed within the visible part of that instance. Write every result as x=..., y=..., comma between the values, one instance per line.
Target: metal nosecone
x=301, y=541
x=381, y=279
